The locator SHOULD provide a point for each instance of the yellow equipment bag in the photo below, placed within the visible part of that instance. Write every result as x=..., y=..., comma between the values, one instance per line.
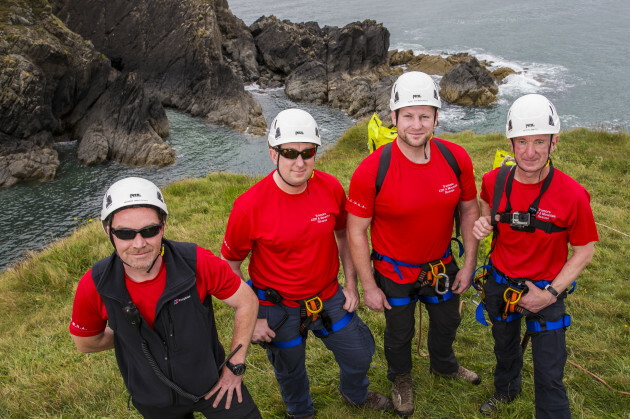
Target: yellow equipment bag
x=379, y=135
x=503, y=156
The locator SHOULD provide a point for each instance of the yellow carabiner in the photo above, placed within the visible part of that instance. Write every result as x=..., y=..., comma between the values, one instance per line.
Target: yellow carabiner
x=436, y=268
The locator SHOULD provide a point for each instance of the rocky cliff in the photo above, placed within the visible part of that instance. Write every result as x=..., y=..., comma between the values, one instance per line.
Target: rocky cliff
x=176, y=48
x=56, y=86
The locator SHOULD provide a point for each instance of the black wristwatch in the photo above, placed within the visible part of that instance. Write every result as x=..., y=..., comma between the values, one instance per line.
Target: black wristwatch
x=552, y=290
x=237, y=369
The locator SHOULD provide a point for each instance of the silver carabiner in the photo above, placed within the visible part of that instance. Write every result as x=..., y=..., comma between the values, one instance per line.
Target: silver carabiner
x=447, y=283
x=476, y=298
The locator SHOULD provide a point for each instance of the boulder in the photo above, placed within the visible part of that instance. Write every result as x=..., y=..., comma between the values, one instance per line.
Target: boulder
x=501, y=73
x=397, y=58
x=468, y=84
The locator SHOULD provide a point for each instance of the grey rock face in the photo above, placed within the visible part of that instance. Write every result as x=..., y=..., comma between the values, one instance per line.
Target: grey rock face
x=55, y=84
x=469, y=84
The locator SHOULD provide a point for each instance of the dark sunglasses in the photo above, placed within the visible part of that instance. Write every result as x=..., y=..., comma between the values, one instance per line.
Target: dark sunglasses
x=130, y=233
x=291, y=154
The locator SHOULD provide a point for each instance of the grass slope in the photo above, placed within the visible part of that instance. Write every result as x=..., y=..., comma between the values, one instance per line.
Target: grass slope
x=43, y=375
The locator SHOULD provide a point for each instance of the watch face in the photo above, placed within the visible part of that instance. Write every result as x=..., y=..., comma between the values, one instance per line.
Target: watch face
x=238, y=369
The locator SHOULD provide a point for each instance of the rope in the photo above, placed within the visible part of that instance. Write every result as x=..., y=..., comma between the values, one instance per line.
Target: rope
x=617, y=231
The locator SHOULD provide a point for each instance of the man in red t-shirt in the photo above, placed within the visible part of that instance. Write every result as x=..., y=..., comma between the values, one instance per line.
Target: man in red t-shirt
x=539, y=210
x=293, y=224
x=411, y=220
x=151, y=301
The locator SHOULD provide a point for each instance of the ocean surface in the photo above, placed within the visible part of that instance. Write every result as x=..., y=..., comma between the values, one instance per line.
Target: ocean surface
x=575, y=53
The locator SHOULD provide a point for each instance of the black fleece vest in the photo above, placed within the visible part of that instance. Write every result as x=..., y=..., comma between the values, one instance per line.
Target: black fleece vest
x=184, y=341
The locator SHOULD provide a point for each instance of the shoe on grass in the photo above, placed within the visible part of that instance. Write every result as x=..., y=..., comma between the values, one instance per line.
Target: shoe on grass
x=373, y=401
x=462, y=373
x=402, y=395
x=492, y=404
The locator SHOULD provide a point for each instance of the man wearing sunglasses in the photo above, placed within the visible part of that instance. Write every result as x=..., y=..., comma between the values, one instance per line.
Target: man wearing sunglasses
x=151, y=301
x=293, y=224
x=410, y=217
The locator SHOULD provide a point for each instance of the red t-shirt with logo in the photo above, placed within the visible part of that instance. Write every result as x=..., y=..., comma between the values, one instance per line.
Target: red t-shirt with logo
x=89, y=316
x=290, y=236
x=540, y=256
x=412, y=216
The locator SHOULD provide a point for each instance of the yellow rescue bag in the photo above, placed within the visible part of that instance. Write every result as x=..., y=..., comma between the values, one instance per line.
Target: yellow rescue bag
x=379, y=135
x=502, y=156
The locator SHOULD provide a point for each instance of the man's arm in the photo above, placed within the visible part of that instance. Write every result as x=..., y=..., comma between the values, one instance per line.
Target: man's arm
x=469, y=213
x=537, y=299
x=262, y=332
x=350, y=290
x=360, y=251
x=245, y=305
x=97, y=343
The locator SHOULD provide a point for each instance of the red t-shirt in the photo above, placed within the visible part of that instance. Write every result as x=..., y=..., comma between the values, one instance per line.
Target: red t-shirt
x=540, y=256
x=291, y=237
x=89, y=316
x=412, y=216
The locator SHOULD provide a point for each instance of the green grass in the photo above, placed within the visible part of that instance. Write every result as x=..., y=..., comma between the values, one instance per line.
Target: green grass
x=43, y=375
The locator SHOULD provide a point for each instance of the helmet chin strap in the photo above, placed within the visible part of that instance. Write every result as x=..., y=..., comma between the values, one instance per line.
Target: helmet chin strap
x=156, y=258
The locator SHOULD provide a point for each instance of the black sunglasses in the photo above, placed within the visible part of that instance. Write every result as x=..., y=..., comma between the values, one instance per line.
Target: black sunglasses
x=130, y=233
x=291, y=154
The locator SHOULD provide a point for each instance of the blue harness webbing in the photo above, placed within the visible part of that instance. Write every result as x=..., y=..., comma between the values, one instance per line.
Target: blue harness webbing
x=402, y=301
x=532, y=325
x=398, y=263
x=320, y=333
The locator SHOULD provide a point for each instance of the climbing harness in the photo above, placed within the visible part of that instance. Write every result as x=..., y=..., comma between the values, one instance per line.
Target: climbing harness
x=311, y=309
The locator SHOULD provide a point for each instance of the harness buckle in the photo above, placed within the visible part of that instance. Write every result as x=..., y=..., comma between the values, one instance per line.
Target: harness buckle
x=314, y=306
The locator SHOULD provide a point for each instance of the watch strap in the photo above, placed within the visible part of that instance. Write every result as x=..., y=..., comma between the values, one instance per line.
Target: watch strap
x=552, y=290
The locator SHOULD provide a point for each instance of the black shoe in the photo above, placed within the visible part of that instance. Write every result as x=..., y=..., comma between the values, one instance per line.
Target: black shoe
x=492, y=404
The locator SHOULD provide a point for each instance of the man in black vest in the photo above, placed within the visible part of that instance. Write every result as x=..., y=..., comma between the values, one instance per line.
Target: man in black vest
x=151, y=301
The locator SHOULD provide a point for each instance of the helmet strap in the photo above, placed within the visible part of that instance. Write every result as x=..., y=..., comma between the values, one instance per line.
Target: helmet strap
x=156, y=258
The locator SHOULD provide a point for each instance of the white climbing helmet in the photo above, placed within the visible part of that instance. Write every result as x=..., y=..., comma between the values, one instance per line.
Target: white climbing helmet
x=414, y=89
x=129, y=192
x=293, y=126
x=532, y=114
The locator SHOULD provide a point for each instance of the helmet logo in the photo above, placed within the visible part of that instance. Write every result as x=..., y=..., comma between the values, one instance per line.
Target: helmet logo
x=134, y=195
x=108, y=201
x=159, y=196
x=417, y=96
x=299, y=132
x=551, y=121
x=278, y=133
x=530, y=126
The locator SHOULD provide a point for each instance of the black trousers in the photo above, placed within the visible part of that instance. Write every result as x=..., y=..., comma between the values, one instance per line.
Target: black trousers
x=246, y=409
x=549, y=354
x=444, y=319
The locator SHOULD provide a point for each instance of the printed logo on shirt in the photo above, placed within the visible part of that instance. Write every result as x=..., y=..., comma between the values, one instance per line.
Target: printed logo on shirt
x=545, y=215
x=227, y=246
x=447, y=189
x=179, y=300
x=77, y=326
x=356, y=203
x=321, y=218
